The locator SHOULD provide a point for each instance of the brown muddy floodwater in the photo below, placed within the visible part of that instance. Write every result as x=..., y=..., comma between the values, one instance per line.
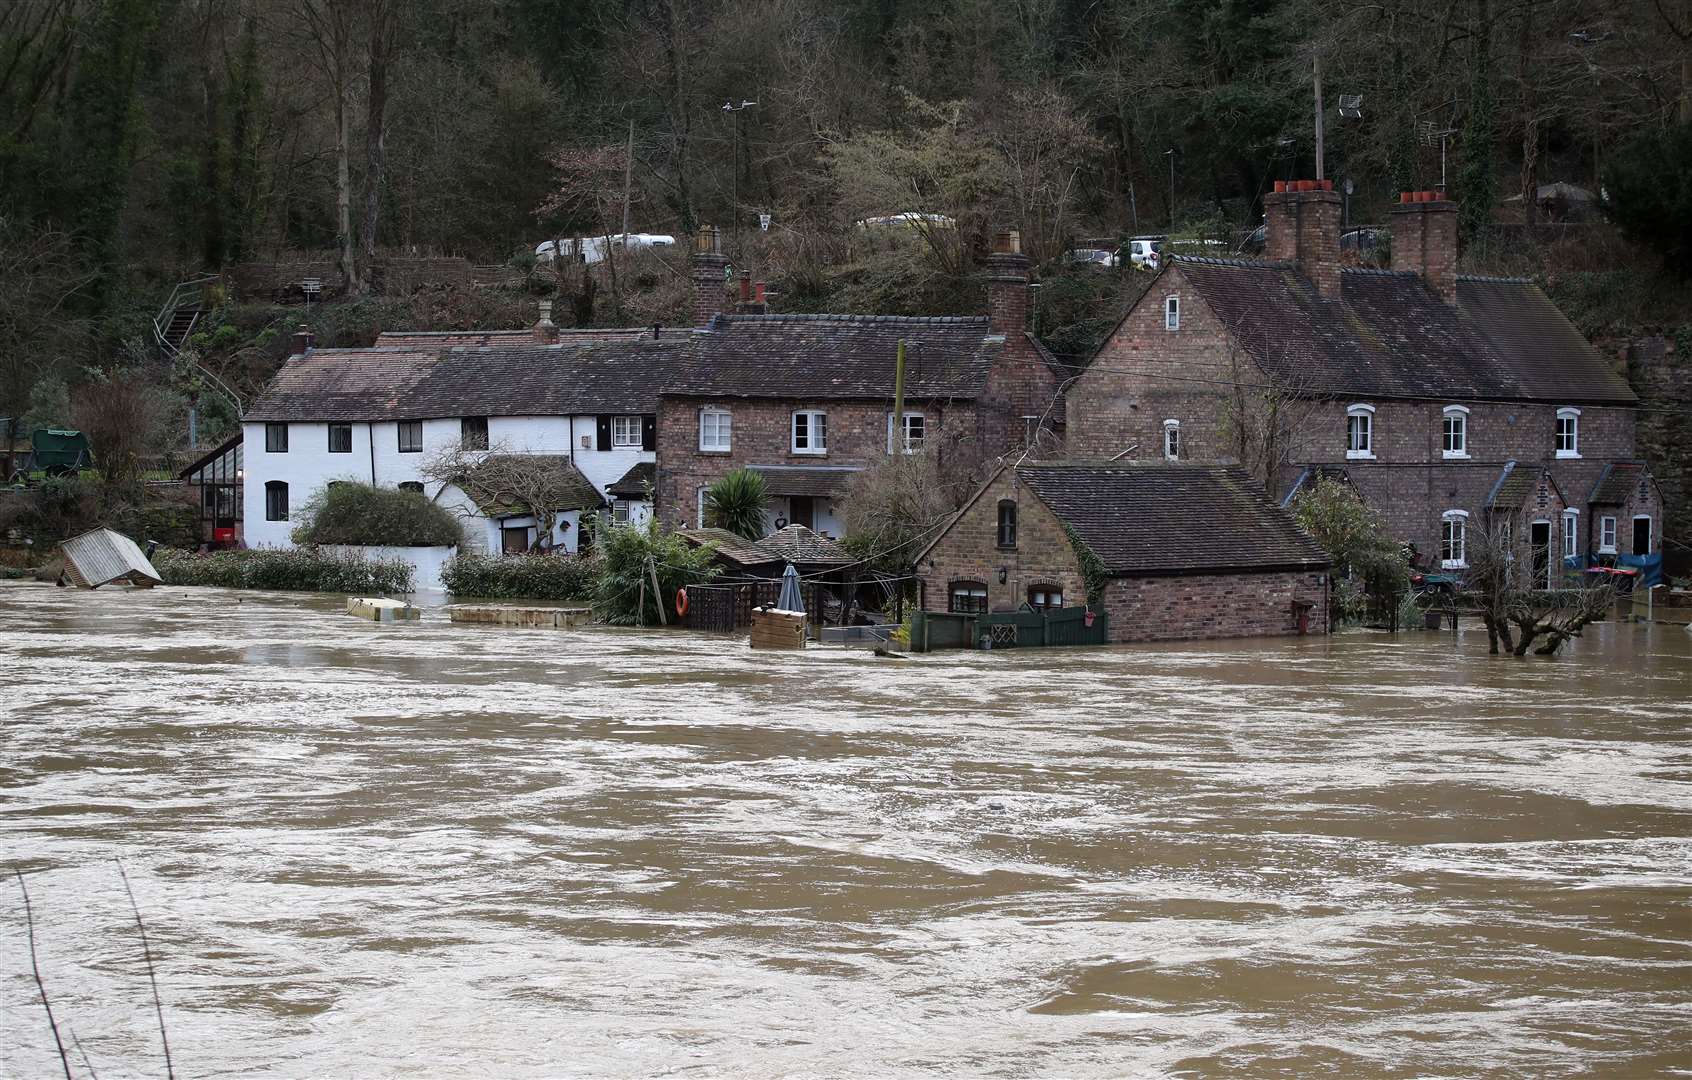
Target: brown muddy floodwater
x=431, y=850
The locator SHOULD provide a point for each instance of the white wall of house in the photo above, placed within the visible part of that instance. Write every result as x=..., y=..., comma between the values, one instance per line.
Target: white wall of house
x=376, y=458
x=827, y=516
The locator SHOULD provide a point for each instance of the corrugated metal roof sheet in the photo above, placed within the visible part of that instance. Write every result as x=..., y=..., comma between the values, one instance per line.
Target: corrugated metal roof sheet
x=101, y=556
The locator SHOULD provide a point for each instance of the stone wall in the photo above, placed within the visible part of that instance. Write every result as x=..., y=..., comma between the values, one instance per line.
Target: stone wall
x=1660, y=371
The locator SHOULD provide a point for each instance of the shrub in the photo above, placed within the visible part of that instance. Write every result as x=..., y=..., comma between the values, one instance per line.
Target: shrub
x=736, y=502
x=350, y=513
x=305, y=570
x=530, y=577
x=625, y=554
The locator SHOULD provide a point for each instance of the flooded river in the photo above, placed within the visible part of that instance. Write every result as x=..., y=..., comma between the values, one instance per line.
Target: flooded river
x=371, y=850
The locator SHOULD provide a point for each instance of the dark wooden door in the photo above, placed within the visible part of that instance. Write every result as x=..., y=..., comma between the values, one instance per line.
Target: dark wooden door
x=1541, y=540
x=800, y=511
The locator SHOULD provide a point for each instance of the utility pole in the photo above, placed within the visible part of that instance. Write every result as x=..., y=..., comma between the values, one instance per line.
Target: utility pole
x=899, y=400
x=1170, y=153
x=734, y=182
x=1317, y=68
x=628, y=181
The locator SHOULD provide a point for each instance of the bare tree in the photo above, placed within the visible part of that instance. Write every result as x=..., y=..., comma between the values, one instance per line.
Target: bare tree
x=330, y=27
x=537, y=485
x=1517, y=615
x=1263, y=421
x=123, y=415
x=383, y=20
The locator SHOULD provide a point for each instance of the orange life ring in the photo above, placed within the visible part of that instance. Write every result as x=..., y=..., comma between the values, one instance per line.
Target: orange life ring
x=681, y=601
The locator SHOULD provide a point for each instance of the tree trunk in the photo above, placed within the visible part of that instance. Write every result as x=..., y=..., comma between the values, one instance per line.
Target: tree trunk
x=343, y=195
x=375, y=132
x=1530, y=122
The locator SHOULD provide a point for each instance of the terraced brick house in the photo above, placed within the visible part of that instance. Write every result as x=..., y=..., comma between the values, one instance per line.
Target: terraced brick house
x=1452, y=403
x=807, y=400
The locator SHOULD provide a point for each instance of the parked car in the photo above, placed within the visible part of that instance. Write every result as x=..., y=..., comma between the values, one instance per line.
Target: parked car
x=592, y=249
x=1367, y=238
x=1099, y=257
x=1146, y=252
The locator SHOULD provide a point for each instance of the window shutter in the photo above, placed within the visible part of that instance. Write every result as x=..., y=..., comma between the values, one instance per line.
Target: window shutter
x=649, y=432
x=604, y=432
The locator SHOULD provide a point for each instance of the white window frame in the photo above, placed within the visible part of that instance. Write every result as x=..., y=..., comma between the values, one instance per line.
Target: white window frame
x=1571, y=534
x=717, y=436
x=909, y=445
x=625, y=432
x=1365, y=414
x=1457, y=522
x=1172, y=312
x=1572, y=415
x=400, y=429
x=816, y=432
x=1454, y=417
x=620, y=512
x=1607, y=527
x=1650, y=538
x=1172, y=440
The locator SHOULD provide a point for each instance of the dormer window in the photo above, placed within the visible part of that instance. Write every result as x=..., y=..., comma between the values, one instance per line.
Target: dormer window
x=1360, y=432
x=1455, y=435
x=1172, y=440
x=1568, y=432
x=1172, y=313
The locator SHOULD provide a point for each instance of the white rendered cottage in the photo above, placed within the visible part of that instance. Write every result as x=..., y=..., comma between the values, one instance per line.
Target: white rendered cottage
x=383, y=415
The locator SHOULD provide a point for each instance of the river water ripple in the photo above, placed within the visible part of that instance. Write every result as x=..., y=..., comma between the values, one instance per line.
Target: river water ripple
x=431, y=850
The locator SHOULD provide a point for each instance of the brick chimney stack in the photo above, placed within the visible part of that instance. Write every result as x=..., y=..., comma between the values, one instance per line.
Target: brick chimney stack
x=709, y=269
x=1424, y=239
x=545, y=330
x=304, y=340
x=1007, y=285
x=1302, y=227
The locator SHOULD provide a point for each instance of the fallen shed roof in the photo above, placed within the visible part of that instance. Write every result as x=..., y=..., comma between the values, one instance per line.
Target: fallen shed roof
x=101, y=556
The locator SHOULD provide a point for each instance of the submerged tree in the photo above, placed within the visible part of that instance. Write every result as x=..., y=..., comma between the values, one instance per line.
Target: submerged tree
x=1356, y=538
x=1516, y=615
x=641, y=568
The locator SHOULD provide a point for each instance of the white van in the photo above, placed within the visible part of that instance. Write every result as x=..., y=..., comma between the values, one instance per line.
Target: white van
x=592, y=249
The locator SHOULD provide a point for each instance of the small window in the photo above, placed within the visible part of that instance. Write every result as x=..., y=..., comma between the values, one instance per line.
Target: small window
x=810, y=432
x=620, y=511
x=340, y=438
x=1007, y=523
x=968, y=598
x=916, y=431
x=625, y=432
x=1045, y=597
x=414, y=486
x=715, y=429
x=1571, y=533
x=1568, y=433
x=1454, y=540
x=1606, y=535
x=1455, y=436
x=472, y=433
x=1172, y=313
x=411, y=436
x=275, y=501
x=276, y=438
x=1172, y=440
x=1360, y=431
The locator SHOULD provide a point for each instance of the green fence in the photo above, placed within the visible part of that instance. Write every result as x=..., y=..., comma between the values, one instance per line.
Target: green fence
x=1025, y=629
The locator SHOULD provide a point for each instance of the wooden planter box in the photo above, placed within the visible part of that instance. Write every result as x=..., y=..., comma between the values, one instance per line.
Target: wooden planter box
x=778, y=630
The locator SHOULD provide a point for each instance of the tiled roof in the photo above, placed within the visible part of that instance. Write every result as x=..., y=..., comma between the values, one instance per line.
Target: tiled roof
x=822, y=481
x=1390, y=336
x=730, y=546
x=495, y=499
x=1309, y=477
x=573, y=378
x=797, y=544
x=1515, y=487
x=428, y=339
x=838, y=356
x=635, y=483
x=1171, y=519
x=1617, y=482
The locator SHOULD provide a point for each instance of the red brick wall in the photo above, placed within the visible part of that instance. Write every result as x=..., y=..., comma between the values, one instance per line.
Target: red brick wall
x=1424, y=240
x=762, y=435
x=1213, y=606
x=969, y=551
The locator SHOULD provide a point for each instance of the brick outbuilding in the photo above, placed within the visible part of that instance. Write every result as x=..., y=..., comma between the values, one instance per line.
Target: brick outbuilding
x=1169, y=552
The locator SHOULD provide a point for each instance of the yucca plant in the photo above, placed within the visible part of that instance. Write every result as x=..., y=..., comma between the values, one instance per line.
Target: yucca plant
x=737, y=503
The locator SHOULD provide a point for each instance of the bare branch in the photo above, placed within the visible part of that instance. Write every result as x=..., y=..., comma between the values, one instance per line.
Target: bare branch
x=147, y=954
x=41, y=987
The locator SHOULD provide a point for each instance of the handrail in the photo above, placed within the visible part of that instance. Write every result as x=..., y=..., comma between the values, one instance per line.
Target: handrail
x=171, y=352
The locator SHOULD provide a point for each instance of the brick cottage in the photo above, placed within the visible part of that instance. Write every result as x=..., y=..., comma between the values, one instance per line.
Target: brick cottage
x=807, y=400
x=1168, y=552
x=1436, y=395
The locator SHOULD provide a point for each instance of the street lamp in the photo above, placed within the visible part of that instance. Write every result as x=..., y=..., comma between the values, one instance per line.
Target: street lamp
x=734, y=178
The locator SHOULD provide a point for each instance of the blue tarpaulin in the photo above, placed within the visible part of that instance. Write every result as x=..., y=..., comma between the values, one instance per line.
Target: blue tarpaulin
x=1650, y=568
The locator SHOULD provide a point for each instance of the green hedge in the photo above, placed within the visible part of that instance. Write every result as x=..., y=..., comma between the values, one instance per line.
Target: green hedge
x=303, y=570
x=351, y=513
x=525, y=577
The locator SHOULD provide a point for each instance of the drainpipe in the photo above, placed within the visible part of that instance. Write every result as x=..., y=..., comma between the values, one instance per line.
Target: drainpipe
x=370, y=430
